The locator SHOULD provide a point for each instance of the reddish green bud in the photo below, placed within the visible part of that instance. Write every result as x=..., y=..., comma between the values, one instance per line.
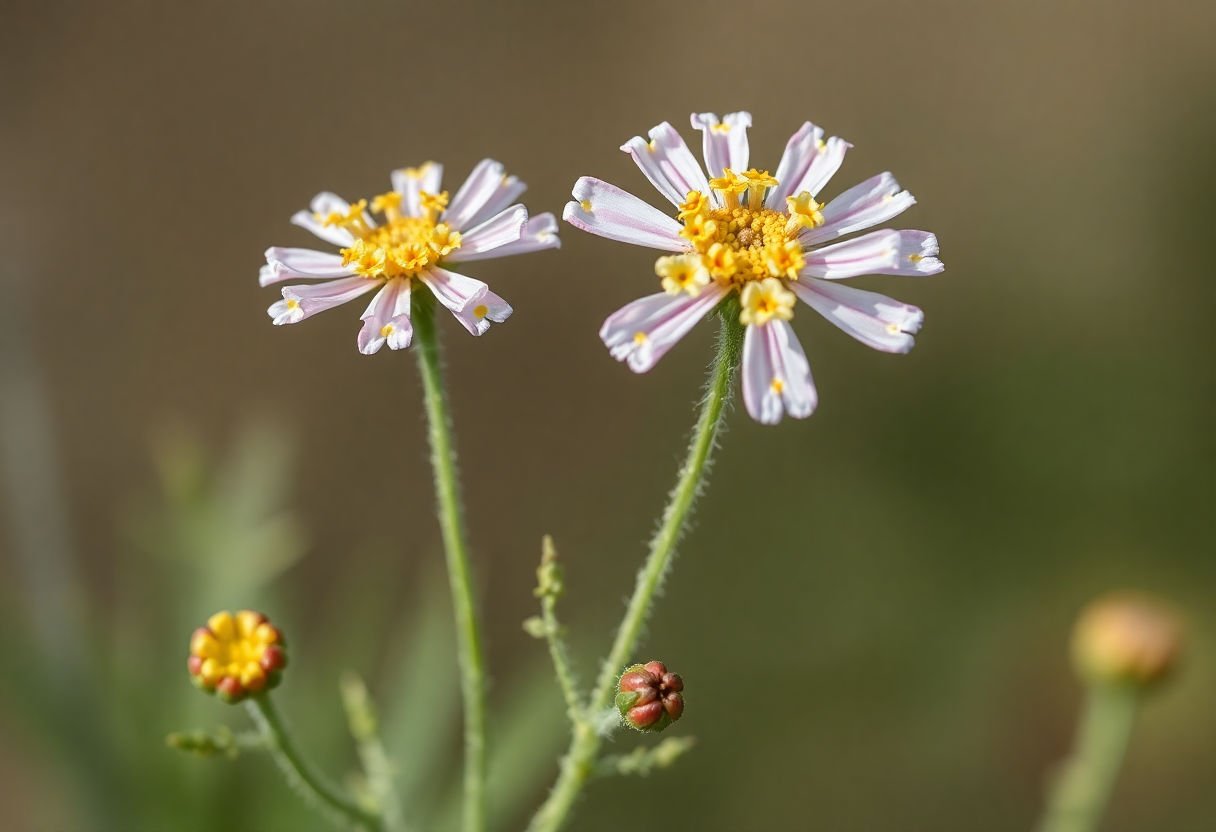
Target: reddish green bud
x=229, y=689
x=649, y=698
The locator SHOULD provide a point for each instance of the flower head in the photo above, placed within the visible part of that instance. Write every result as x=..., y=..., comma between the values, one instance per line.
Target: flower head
x=403, y=239
x=765, y=236
x=236, y=655
x=1127, y=638
x=648, y=697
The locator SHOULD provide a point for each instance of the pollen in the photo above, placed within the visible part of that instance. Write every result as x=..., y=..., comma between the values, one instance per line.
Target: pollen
x=481, y=310
x=640, y=338
x=236, y=654
x=777, y=385
x=402, y=245
x=585, y=204
x=739, y=245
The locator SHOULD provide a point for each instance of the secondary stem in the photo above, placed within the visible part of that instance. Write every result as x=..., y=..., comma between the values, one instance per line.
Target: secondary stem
x=579, y=763
x=1080, y=796
x=309, y=783
x=456, y=550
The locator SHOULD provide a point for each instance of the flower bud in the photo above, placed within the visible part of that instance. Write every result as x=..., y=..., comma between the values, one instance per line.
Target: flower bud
x=236, y=655
x=1126, y=638
x=648, y=697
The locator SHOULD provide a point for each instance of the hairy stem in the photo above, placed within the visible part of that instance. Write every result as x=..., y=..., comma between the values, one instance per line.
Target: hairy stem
x=456, y=549
x=548, y=589
x=316, y=790
x=365, y=729
x=1087, y=781
x=580, y=761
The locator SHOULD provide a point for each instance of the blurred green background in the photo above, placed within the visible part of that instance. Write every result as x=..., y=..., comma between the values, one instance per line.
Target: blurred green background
x=872, y=609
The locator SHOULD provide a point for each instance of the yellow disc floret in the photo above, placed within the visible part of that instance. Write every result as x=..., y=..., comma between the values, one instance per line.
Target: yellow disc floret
x=402, y=246
x=764, y=300
x=682, y=273
x=235, y=655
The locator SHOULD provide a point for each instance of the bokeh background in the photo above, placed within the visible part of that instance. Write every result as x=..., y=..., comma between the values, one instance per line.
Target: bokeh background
x=872, y=609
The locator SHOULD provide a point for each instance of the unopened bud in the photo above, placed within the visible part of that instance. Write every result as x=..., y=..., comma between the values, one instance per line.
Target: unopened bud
x=1127, y=638
x=648, y=697
x=236, y=655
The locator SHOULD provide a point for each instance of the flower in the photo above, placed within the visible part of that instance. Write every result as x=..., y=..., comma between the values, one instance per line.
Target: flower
x=648, y=697
x=763, y=235
x=236, y=655
x=419, y=233
x=1127, y=638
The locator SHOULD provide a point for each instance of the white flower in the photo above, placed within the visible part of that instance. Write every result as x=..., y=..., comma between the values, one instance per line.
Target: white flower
x=417, y=235
x=761, y=235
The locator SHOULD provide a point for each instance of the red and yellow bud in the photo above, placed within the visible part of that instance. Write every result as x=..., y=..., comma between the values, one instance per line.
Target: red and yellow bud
x=649, y=697
x=1127, y=638
x=236, y=655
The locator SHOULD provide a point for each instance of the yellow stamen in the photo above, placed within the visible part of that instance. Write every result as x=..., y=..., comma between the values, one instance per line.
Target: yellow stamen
x=682, y=273
x=729, y=185
x=585, y=204
x=804, y=212
x=764, y=300
x=696, y=204
x=481, y=310
x=777, y=385
x=388, y=204
x=758, y=182
x=785, y=260
x=720, y=260
x=432, y=204
x=387, y=330
x=640, y=338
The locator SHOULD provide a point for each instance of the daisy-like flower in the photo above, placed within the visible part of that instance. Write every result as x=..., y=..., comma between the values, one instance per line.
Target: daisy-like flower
x=405, y=238
x=764, y=236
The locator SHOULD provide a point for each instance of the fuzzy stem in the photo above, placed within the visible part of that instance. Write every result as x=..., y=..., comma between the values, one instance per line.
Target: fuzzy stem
x=456, y=549
x=549, y=588
x=365, y=729
x=580, y=761
x=316, y=790
x=1087, y=781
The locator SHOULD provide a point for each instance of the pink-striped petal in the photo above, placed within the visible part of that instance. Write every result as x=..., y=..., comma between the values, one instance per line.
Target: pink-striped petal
x=300, y=302
x=725, y=141
x=807, y=164
x=454, y=291
x=642, y=332
x=302, y=263
x=410, y=182
x=387, y=319
x=905, y=252
x=504, y=196
x=668, y=163
x=873, y=319
x=482, y=185
x=477, y=317
x=539, y=234
x=606, y=210
x=874, y=201
x=776, y=375
x=498, y=231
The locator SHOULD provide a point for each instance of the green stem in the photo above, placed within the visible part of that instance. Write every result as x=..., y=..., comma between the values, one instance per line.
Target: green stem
x=456, y=549
x=365, y=729
x=310, y=784
x=1087, y=781
x=580, y=761
x=549, y=588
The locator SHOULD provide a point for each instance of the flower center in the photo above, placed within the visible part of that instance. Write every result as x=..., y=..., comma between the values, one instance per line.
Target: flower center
x=234, y=645
x=740, y=241
x=401, y=245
